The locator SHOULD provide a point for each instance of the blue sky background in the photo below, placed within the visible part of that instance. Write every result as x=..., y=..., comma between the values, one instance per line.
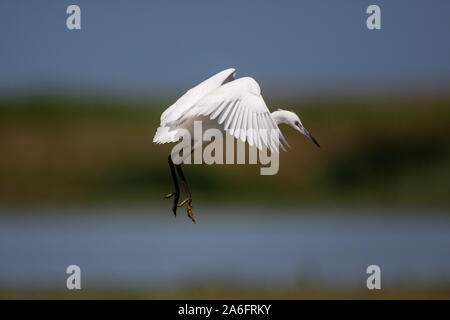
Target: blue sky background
x=153, y=45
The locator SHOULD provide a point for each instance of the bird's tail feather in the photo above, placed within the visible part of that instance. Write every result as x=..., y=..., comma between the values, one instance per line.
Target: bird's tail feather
x=165, y=135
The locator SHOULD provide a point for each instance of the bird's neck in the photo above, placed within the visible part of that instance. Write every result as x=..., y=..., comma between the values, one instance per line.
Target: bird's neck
x=279, y=117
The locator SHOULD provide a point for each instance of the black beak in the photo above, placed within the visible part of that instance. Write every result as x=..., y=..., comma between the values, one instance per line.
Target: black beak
x=312, y=138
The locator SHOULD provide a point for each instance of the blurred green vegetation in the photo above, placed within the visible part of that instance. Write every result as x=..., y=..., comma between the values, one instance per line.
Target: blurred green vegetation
x=376, y=151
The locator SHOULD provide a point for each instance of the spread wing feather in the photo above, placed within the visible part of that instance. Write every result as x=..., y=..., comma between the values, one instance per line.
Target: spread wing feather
x=188, y=100
x=239, y=105
x=167, y=131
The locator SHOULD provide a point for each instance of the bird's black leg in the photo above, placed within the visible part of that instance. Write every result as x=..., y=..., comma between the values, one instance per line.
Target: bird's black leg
x=188, y=199
x=175, y=194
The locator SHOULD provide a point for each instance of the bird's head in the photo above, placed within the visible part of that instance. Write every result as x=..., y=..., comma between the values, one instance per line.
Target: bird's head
x=291, y=119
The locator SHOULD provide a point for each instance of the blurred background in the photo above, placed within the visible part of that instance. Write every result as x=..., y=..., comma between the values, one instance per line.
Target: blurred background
x=81, y=182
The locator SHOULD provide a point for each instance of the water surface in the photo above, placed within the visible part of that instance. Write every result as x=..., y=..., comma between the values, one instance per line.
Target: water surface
x=133, y=248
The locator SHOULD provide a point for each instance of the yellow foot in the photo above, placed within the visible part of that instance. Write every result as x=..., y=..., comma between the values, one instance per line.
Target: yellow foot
x=188, y=200
x=170, y=195
x=175, y=200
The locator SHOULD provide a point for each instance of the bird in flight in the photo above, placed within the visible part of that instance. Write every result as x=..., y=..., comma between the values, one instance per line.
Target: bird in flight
x=234, y=106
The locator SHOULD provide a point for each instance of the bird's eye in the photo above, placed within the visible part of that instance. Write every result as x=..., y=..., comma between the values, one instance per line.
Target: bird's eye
x=297, y=123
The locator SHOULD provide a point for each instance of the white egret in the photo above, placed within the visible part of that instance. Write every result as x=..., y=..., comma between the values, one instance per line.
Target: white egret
x=233, y=106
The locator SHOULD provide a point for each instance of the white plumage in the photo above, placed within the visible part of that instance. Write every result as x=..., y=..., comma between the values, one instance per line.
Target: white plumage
x=232, y=106
x=236, y=106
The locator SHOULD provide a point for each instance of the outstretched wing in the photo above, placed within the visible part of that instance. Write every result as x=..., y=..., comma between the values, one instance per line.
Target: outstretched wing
x=187, y=101
x=239, y=106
